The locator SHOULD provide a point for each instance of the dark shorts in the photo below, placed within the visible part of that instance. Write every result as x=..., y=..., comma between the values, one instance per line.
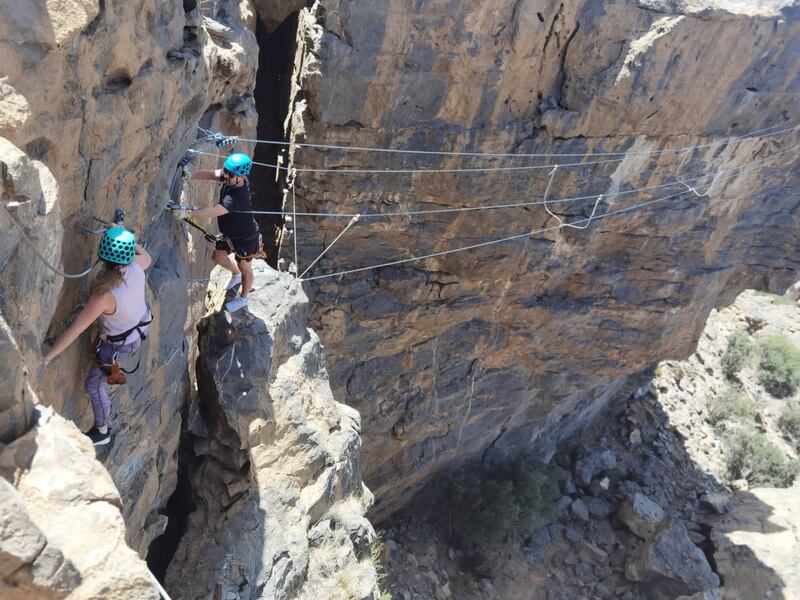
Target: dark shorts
x=245, y=249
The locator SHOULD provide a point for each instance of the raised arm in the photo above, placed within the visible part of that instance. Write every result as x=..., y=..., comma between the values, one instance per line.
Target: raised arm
x=95, y=306
x=207, y=175
x=143, y=257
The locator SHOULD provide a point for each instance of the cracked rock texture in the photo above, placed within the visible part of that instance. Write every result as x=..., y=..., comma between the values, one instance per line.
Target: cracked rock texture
x=61, y=527
x=508, y=348
x=98, y=102
x=276, y=472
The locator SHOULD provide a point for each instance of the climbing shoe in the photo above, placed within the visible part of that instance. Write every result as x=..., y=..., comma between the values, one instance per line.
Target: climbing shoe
x=236, y=304
x=235, y=280
x=99, y=439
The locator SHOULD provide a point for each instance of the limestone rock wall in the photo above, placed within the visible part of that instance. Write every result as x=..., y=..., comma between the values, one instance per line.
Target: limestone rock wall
x=67, y=514
x=276, y=470
x=99, y=101
x=509, y=347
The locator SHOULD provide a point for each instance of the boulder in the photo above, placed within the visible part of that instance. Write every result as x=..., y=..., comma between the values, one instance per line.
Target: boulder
x=579, y=509
x=598, y=509
x=30, y=567
x=670, y=565
x=61, y=521
x=641, y=515
x=594, y=463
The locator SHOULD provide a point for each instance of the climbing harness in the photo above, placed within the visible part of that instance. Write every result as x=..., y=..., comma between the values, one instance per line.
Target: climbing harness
x=115, y=374
x=260, y=253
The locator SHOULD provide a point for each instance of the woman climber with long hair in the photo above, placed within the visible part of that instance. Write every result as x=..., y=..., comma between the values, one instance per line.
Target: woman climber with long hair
x=118, y=302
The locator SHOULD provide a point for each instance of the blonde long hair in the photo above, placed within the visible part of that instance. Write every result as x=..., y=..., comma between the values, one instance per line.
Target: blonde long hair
x=109, y=277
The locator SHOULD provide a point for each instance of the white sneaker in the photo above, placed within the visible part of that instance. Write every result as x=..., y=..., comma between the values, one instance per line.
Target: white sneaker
x=235, y=304
x=235, y=280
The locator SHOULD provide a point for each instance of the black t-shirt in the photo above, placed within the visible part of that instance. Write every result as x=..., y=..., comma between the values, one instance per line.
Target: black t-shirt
x=236, y=224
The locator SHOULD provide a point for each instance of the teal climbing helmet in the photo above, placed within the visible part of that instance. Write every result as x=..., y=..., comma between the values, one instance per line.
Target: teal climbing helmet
x=238, y=164
x=117, y=246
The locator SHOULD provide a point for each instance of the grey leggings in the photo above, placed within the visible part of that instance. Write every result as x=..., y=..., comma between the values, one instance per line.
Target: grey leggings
x=97, y=386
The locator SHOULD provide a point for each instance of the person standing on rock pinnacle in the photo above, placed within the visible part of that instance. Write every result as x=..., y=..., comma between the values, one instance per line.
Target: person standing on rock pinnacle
x=118, y=302
x=235, y=222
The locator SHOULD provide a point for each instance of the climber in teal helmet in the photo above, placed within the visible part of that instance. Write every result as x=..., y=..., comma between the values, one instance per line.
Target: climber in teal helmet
x=118, y=302
x=236, y=224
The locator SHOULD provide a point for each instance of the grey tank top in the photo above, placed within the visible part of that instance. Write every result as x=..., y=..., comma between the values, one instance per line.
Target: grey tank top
x=131, y=306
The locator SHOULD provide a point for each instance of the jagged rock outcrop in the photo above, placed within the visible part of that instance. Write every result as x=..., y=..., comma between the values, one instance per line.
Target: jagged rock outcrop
x=670, y=565
x=510, y=347
x=61, y=527
x=30, y=565
x=641, y=515
x=98, y=103
x=276, y=477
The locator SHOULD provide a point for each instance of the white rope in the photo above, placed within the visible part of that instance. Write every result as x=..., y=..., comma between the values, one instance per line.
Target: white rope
x=510, y=154
x=547, y=191
x=294, y=228
x=591, y=216
x=483, y=244
x=160, y=589
x=41, y=257
x=575, y=224
x=361, y=171
x=410, y=213
x=352, y=222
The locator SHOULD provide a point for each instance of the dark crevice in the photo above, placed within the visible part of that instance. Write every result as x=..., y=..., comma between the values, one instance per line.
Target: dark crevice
x=179, y=507
x=92, y=27
x=273, y=87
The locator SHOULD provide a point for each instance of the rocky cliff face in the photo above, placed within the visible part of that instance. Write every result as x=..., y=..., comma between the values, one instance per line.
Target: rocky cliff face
x=509, y=347
x=276, y=471
x=498, y=351
x=98, y=103
x=650, y=507
x=105, y=100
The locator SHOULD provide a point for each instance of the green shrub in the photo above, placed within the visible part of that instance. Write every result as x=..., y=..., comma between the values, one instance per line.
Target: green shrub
x=738, y=352
x=735, y=405
x=789, y=422
x=485, y=506
x=753, y=457
x=780, y=366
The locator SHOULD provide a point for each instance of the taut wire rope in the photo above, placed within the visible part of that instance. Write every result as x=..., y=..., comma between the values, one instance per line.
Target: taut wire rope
x=577, y=224
x=368, y=215
x=352, y=222
x=364, y=171
x=294, y=227
x=750, y=135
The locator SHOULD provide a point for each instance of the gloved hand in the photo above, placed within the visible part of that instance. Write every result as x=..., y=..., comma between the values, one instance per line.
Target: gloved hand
x=182, y=212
